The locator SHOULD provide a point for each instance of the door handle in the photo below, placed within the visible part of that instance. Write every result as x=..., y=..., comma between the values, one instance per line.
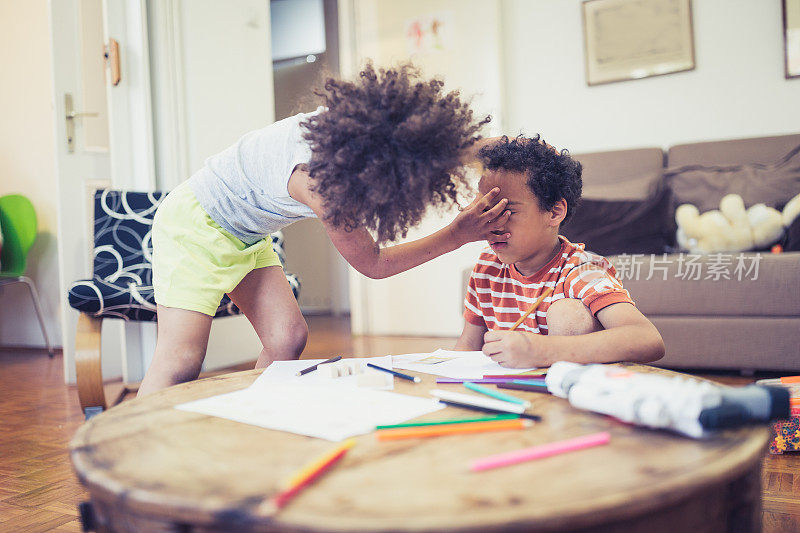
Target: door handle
x=70, y=115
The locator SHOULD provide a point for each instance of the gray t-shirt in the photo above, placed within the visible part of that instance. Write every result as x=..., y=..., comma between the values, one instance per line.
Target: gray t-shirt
x=244, y=189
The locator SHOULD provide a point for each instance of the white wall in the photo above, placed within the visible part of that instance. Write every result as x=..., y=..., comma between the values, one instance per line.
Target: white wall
x=737, y=88
x=27, y=163
x=427, y=300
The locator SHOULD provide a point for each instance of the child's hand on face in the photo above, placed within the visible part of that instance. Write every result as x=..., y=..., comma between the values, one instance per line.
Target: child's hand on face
x=479, y=219
x=514, y=349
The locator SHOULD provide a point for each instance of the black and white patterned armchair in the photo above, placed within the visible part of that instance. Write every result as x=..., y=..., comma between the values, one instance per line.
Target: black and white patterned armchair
x=121, y=284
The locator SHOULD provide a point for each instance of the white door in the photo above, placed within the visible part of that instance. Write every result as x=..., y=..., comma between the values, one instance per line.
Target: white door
x=103, y=134
x=82, y=151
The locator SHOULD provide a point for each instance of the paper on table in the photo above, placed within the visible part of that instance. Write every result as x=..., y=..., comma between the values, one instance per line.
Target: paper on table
x=325, y=411
x=461, y=365
x=286, y=372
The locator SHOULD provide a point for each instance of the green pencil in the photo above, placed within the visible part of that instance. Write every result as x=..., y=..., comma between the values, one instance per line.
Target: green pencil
x=496, y=394
x=451, y=421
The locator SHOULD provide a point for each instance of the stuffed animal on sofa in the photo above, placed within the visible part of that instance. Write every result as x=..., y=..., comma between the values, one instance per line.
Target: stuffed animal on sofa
x=732, y=228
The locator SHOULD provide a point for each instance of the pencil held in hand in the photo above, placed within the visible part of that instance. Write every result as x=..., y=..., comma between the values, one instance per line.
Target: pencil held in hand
x=536, y=304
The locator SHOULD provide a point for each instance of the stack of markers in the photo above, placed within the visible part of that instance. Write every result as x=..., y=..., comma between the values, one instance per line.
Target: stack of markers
x=786, y=433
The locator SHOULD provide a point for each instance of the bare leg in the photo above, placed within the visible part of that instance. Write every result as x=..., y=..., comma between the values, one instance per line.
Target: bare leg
x=569, y=316
x=180, y=349
x=265, y=298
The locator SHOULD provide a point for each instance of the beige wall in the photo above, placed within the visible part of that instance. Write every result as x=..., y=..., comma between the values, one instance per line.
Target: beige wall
x=27, y=162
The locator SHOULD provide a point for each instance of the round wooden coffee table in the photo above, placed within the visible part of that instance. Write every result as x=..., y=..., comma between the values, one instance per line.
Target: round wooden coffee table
x=149, y=467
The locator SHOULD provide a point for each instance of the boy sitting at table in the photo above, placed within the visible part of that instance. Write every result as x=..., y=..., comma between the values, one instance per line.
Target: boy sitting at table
x=588, y=317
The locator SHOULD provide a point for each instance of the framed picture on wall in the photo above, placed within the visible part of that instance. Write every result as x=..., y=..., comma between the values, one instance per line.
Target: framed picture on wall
x=627, y=40
x=791, y=37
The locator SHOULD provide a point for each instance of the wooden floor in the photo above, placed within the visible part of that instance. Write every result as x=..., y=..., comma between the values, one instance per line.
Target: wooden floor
x=39, y=414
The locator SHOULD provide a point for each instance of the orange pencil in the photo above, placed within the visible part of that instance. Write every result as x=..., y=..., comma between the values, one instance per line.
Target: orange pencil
x=454, y=429
x=538, y=301
x=308, y=475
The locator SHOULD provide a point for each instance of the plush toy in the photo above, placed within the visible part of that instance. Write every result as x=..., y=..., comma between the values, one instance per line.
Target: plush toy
x=731, y=228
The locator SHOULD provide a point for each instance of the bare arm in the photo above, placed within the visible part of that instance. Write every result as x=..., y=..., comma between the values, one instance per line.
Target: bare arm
x=359, y=249
x=471, y=338
x=628, y=336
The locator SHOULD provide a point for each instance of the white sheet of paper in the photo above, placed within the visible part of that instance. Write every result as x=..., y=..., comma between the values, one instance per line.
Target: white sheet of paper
x=331, y=412
x=286, y=372
x=463, y=365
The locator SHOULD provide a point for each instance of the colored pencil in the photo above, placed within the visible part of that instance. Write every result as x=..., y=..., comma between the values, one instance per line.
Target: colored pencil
x=538, y=452
x=454, y=429
x=785, y=380
x=480, y=401
x=484, y=380
x=509, y=416
x=314, y=367
x=496, y=394
x=535, y=372
x=530, y=383
x=486, y=409
x=538, y=301
x=525, y=387
x=306, y=475
x=395, y=373
x=514, y=376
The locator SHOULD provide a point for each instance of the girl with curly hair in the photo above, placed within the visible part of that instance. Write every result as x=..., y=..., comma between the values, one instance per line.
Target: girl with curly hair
x=370, y=160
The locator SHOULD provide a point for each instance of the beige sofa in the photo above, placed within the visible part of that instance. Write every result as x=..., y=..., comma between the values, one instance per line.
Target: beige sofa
x=752, y=323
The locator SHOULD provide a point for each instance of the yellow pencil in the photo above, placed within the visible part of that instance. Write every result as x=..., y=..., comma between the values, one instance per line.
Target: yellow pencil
x=315, y=465
x=541, y=298
x=307, y=475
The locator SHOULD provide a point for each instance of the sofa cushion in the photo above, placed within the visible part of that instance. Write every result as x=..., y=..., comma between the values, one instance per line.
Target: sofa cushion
x=773, y=184
x=609, y=227
x=728, y=284
x=733, y=152
x=791, y=241
x=621, y=174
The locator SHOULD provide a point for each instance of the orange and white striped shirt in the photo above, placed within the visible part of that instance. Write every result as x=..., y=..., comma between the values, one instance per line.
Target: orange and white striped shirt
x=498, y=294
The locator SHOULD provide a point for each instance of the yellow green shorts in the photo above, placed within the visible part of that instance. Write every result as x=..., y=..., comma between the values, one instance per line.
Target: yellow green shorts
x=195, y=261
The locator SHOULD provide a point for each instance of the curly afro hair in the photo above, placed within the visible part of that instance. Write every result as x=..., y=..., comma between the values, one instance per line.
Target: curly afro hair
x=388, y=145
x=550, y=175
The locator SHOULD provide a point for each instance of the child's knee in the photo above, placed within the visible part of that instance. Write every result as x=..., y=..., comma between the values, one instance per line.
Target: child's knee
x=298, y=336
x=569, y=316
x=289, y=338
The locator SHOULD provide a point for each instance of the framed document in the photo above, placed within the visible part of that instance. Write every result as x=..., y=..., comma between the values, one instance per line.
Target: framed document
x=627, y=40
x=791, y=37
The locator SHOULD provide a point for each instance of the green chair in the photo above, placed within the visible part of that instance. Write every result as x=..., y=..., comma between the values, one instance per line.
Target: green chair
x=18, y=223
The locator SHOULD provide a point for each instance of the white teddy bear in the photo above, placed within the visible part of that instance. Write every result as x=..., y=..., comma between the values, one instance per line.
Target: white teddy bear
x=732, y=228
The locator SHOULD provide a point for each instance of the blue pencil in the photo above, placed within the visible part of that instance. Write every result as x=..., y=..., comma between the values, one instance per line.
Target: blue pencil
x=395, y=373
x=528, y=382
x=496, y=394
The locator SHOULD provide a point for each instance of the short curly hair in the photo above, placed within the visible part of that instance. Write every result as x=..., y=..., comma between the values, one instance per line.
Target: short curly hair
x=386, y=147
x=550, y=175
